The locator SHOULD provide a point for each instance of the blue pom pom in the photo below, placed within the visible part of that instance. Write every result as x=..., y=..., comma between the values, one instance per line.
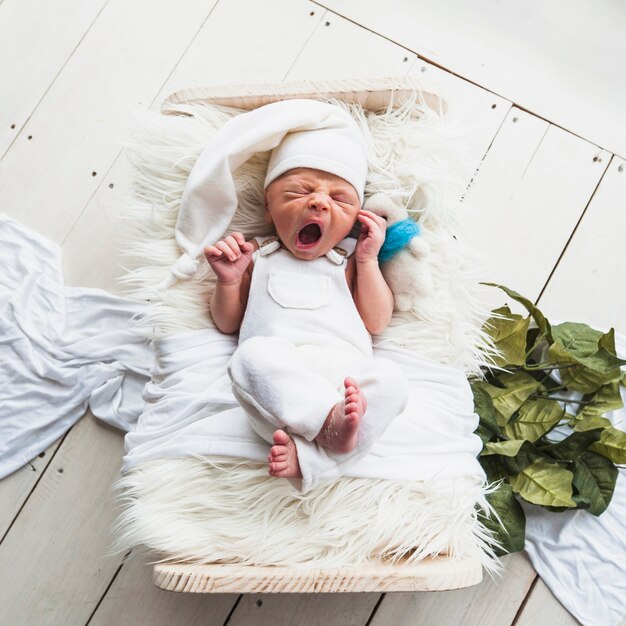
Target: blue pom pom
x=397, y=237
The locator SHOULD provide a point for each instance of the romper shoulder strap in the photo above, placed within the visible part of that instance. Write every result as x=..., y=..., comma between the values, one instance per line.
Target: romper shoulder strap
x=340, y=253
x=348, y=244
x=267, y=244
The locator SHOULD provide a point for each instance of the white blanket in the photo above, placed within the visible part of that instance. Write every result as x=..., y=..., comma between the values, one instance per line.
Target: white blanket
x=192, y=410
x=62, y=349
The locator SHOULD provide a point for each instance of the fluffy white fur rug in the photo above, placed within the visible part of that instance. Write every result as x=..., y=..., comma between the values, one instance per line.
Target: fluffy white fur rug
x=226, y=510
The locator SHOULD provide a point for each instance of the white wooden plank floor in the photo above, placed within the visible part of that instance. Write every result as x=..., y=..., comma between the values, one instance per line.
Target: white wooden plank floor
x=546, y=207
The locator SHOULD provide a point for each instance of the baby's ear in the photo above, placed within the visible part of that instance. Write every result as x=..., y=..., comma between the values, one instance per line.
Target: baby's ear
x=267, y=216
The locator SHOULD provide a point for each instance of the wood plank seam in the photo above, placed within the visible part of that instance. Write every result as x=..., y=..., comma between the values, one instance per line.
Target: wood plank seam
x=233, y=609
x=373, y=32
x=306, y=43
x=582, y=215
x=103, y=180
x=522, y=606
x=477, y=170
x=34, y=486
x=375, y=609
x=469, y=80
x=539, y=144
x=104, y=593
x=555, y=124
x=43, y=95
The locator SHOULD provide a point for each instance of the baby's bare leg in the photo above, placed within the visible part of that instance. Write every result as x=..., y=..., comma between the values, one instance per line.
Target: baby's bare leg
x=340, y=430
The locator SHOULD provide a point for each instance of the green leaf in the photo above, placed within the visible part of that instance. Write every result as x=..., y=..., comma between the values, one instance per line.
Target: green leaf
x=509, y=336
x=571, y=447
x=527, y=454
x=493, y=469
x=483, y=406
x=589, y=422
x=535, y=418
x=607, y=341
x=512, y=532
x=595, y=477
x=544, y=484
x=581, y=501
x=542, y=323
x=612, y=445
x=605, y=399
x=517, y=388
x=590, y=353
x=505, y=448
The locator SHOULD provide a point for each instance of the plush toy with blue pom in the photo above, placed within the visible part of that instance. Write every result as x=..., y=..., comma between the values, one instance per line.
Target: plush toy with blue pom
x=403, y=257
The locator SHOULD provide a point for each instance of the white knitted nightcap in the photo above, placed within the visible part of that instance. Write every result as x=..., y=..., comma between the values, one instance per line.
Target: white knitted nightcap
x=300, y=133
x=338, y=150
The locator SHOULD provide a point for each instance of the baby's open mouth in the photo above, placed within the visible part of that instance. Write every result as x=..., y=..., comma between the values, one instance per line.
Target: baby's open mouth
x=308, y=235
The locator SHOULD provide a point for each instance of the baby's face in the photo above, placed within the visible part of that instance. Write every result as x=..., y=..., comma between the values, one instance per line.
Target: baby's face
x=311, y=210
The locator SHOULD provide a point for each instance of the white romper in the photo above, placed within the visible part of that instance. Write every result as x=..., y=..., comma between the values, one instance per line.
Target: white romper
x=301, y=335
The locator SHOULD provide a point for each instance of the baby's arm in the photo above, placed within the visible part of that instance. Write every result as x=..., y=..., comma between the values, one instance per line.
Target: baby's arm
x=372, y=296
x=230, y=259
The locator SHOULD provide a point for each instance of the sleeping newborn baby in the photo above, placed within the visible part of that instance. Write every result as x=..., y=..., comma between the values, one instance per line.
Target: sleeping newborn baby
x=305, y=302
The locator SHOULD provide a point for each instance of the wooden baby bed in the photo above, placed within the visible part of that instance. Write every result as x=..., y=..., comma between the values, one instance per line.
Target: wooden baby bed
x=432, y=574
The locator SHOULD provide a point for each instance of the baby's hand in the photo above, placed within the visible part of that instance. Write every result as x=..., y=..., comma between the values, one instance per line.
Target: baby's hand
x=229, y=258
x=371, y=237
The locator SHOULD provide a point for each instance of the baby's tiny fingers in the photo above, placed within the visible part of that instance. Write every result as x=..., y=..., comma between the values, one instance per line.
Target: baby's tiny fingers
x=239, y=238
x=374, y=216
x=212, y=251
x=234, y=246
x=227, y=250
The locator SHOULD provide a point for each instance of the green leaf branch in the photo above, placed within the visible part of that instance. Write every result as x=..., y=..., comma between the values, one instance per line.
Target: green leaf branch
x=540, y=372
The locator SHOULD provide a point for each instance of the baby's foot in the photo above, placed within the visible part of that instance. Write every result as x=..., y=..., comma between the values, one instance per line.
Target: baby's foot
x=283, y=457
x=341, y=427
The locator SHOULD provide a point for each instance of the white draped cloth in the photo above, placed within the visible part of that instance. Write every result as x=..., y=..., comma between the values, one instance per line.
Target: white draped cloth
x=65, y=349
x=62, y=350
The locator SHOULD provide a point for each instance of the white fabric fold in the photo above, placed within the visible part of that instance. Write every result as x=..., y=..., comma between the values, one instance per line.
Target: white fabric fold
x=62, y=350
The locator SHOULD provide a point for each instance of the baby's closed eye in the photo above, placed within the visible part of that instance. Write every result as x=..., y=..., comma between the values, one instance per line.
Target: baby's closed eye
x=341, y=198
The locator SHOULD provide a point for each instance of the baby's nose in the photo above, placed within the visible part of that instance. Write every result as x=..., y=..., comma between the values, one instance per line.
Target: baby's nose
x=319, y=202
